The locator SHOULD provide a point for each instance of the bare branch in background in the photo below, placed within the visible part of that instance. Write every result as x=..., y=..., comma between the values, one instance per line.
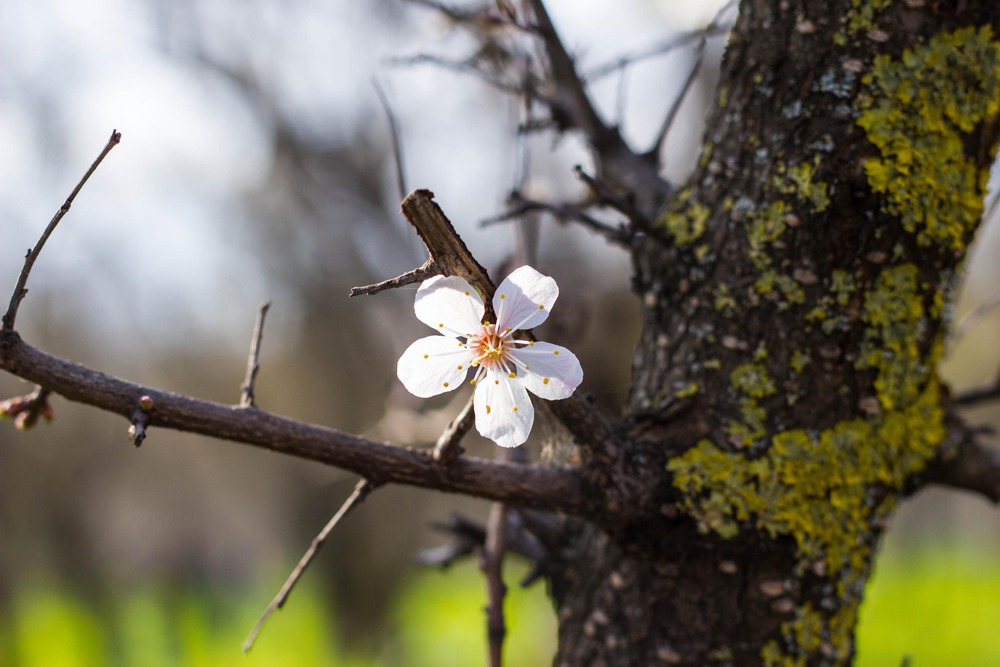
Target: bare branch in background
x=563, y=213
x=973, y=397
x=361, y=491
x=20, y=290
x=247, y=396
x=491, y=564
x=967, y=464
x=657, y=147
x=718, y=26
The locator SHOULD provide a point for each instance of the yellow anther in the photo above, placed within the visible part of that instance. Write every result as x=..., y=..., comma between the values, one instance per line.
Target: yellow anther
x=487, y=409
x=531, y=343
x=527, y=367
x=545, y=381
x=459, y=367
x=515, y=408
x=466, y=292
x=446, y=384
x=503, y=296
x=441, y=326
x=496, y=382
x=541, y=307
x=510, y=375
x=472, y=382
x=425, y=356
x=556, y=352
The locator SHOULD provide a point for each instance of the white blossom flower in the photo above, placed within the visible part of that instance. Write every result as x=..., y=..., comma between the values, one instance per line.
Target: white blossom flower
x=505, y=368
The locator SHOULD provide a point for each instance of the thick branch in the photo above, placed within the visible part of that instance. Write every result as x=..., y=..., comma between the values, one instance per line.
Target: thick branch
x=527, y=485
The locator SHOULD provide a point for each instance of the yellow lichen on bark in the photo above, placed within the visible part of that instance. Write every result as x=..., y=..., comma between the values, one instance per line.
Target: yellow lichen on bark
x=922, y=106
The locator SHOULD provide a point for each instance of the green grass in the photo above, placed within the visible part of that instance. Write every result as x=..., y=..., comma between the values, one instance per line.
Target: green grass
x=941, y=609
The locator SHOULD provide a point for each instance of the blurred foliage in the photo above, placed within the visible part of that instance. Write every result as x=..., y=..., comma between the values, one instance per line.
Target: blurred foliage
x=936, y=606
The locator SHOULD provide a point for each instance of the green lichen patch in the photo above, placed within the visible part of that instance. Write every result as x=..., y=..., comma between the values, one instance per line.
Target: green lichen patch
x=815, y=486
x=798, y=180
x=922, y=106
x=896, y=324
x=686, y=220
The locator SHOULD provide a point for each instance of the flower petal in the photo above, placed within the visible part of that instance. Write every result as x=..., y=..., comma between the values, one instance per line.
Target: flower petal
x=433, y=365
x=524, y=299
x=549, y=371
x=504, y=413
x=449, y=305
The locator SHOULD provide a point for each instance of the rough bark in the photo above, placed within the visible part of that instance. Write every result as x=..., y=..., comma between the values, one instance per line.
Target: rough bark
x=795, y=293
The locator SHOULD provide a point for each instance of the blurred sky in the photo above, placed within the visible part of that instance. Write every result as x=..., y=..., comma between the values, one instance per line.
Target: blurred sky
x=155, y=228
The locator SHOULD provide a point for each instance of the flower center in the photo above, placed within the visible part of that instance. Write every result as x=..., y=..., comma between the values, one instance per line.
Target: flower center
x=489, y=348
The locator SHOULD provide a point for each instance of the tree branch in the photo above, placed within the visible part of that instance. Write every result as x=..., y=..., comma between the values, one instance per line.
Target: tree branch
x=967, y=464
x=20, y=290
x=528, y=485
x=361, y=491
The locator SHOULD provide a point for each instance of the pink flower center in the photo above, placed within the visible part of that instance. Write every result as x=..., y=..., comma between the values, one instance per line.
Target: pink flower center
x=489, y=348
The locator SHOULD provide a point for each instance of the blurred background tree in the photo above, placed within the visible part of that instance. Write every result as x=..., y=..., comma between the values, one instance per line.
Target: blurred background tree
x=257, y=164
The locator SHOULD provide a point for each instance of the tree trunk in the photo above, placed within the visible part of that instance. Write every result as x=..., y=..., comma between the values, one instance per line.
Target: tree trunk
x=795, y=299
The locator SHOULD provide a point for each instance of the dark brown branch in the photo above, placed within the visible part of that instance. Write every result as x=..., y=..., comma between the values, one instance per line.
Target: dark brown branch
x=563, y=213
x=977, y=396
x=247, y=396
x=416, y=275
x=965, y=463
x=448, y=254
x=530, y=485
x=448, y=446
x=361, y=491
x=491, y=565
x=569, y=97
x=20, y=290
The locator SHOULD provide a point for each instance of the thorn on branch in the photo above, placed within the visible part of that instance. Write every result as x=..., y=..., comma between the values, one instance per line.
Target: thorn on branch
x=20, y=290
x=137, y=430
x=247, y=397
x=361, y=491
x=25, y=410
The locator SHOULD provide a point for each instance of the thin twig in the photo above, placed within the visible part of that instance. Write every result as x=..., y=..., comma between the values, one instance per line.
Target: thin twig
x=563, y=213
x=361, y=491
x=20, y=291
x=397, y=145
x=247, y=397
x=448, y=446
